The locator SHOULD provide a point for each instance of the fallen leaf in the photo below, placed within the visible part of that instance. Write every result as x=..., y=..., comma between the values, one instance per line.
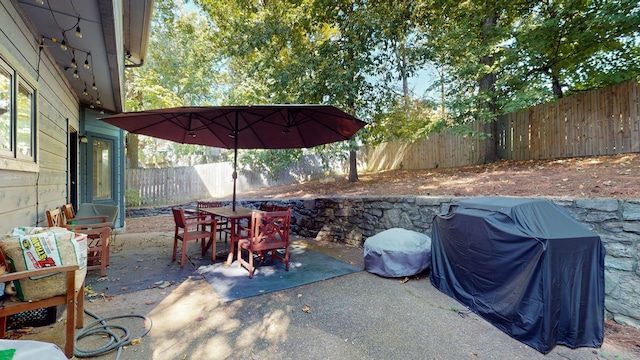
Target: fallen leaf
x=150, y=303
x=405, y=280
x=25, y=330
x=136, y=341
x=306, y=308
x=164, y=285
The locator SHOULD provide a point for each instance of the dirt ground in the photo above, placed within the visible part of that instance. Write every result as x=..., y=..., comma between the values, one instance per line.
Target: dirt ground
x=601, y=176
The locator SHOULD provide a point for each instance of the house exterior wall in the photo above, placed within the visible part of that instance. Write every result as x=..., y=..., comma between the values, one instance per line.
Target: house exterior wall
x=28, y=189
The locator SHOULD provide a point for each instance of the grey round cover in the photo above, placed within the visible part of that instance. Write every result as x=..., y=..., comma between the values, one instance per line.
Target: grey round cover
x=397, y=252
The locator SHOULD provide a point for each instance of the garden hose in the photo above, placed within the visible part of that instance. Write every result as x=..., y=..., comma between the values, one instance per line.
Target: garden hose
x=101, y=328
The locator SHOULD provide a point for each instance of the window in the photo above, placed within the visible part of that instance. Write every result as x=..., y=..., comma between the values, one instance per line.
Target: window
x=17, y=116
x=5, y=111
x=102, y=169
x=24, y=122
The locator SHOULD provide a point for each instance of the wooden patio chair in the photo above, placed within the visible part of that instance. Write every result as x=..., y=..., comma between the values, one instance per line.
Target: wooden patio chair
x=72, y=298
x=70, y=216
x=224, y=225
x=98, y=245
x=108, y=218
x=269, y=231
x=193, y=228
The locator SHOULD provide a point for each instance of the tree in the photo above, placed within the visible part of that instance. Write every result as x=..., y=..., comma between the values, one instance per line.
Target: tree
x=466, y=40
x=180, y=70
x=576, y=45
x=297, y=51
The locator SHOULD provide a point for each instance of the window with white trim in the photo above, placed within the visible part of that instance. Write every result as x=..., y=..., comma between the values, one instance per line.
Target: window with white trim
x=17, y=116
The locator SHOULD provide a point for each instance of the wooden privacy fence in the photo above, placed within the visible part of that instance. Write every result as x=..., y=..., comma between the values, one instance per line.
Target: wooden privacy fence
x=443, y=149
x=598, y=122
x=185, y=184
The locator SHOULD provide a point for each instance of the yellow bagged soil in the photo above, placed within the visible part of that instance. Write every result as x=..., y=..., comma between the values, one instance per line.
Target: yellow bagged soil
x=29, y=248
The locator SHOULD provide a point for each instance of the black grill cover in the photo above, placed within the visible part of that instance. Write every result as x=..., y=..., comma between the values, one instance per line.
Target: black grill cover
x=524, y=265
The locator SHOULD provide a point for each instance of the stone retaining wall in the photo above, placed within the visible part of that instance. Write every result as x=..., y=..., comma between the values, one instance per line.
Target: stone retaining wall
x=351, y=220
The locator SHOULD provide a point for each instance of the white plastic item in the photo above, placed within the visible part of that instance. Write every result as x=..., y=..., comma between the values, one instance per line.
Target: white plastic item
x=31, y=349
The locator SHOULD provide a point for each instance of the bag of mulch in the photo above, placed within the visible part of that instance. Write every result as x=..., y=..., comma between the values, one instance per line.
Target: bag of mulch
x=29, y=248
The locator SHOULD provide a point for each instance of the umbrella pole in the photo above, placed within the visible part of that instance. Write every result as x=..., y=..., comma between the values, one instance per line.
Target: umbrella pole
x=235, y=176
x=235, y=163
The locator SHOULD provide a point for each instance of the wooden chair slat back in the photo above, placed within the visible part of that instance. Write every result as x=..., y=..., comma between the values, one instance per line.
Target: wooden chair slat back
x=270, y=229
x=54, y=218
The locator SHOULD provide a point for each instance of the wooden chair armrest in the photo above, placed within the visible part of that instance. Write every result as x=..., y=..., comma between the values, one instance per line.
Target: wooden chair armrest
x=102, y=218
x=80, y=227
x=201, y=221
x=37, y=272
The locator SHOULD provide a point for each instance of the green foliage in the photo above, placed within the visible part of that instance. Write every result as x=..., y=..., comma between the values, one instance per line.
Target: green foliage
x=132, y=198
x=489, y=58
x=268, y=161
x=180, y=70
x=575, y=45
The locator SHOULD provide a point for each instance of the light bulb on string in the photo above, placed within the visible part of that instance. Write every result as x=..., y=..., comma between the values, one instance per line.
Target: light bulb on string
x=98, y=102
x=74, y=64
x=78, y=32
x=63, y=45
x=75, y=74
x=85, y=92
x=40, y=2
x=86, y=64
x=94, y=87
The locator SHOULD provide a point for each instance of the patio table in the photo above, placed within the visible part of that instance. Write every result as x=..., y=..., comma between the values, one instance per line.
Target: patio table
x=234, y=217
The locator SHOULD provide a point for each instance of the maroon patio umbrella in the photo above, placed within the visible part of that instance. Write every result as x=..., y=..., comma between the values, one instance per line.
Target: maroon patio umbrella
x=288, y=126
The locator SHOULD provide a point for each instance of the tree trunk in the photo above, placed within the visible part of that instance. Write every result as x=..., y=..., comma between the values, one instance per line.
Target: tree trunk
x=353, y=166
x=132, y=151
x=555, y=85
x=487, y=85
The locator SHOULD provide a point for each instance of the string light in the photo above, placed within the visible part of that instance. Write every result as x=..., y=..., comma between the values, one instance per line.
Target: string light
x=74, y=64
x=65, y=46
x=40, y=2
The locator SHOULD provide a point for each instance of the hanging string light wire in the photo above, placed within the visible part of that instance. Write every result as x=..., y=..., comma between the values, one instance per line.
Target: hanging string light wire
x=71, y=50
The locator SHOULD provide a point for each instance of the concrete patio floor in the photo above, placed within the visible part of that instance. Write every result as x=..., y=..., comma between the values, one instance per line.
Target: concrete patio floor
x=355, y=316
